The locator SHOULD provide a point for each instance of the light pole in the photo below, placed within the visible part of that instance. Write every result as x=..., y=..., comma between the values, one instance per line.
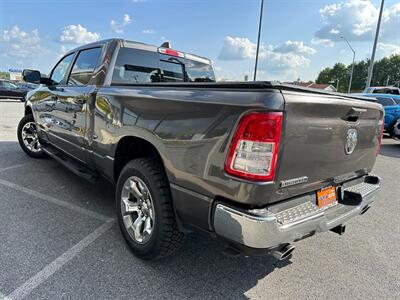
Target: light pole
x=371, y=64
x=352, y=66
x=258, y=40
x=337, y=83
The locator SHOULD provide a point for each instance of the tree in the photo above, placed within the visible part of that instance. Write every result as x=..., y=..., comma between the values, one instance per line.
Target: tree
x=386, y=71
x=4, y=75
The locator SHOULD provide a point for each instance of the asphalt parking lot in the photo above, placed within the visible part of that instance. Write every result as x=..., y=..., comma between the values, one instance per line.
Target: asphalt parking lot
x=59, y=240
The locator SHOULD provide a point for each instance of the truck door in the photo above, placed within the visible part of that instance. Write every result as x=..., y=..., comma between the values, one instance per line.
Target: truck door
x=45, y=104
x=72, y=104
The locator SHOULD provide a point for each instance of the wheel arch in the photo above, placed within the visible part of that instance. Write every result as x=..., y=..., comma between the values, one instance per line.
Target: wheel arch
x=28, y=110
x=132, y=147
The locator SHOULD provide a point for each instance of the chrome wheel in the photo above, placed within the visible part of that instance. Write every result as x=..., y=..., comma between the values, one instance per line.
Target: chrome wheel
x=137, y=209
x=30, y=137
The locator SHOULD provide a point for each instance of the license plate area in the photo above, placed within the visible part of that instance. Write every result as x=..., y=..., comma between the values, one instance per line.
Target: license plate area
x=327, y=197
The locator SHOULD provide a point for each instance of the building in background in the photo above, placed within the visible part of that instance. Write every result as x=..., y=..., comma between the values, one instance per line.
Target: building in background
x=15, y=74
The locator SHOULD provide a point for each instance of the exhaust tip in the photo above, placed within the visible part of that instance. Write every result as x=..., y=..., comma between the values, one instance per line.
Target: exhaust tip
x=365, y=209
x=340, y=229
x=283, y=252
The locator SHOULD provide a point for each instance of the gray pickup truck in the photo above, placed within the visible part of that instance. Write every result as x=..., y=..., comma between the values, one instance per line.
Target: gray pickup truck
x=260, y=165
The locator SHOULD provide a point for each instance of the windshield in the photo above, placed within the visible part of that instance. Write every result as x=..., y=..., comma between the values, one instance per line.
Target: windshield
x=386, y=91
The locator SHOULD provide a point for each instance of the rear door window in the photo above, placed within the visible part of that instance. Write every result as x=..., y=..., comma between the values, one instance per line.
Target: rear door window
x=84, y=66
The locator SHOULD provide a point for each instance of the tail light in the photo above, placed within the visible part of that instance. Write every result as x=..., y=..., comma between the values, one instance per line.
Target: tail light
x=254, y=151
x=380, y=138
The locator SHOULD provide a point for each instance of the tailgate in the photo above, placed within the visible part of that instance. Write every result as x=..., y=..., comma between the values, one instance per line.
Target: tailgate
x=326, y=138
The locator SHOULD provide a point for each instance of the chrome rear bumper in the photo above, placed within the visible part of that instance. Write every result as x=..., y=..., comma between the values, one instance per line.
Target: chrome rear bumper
x=263, y=229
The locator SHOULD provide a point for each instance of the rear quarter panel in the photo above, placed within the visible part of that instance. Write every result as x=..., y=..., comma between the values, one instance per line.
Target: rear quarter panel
x=191, y=129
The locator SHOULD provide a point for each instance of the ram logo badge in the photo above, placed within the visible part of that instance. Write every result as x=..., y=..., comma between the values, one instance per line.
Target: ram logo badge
x=351, y=141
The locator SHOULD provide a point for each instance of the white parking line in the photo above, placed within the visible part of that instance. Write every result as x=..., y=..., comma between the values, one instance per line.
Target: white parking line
x=13, y=167
x=54, y=200
x=26, y=288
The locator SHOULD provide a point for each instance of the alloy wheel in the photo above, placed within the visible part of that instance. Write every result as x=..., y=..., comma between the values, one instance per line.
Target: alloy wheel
x=137, y=209
x=30, y=137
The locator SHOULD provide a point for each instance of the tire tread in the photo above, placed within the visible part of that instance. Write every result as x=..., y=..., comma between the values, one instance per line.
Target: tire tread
x=171, y=238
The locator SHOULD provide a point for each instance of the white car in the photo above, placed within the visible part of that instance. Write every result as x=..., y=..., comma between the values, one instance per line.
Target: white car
x=382, y=90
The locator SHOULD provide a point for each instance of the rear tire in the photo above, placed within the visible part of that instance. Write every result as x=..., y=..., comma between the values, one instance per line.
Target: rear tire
x=145, y=211
x=28, y=138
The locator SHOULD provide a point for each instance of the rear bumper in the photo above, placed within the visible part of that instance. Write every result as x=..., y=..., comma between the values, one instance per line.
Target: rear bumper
x=264, y=229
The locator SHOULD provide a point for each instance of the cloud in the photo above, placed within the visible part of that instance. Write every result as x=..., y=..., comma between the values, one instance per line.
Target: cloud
x=77, y=34
x=20, y=44
x=63, y=50
x=237, y=48
x=291, y=54
x=148, y=31
x=118, y=27
x=281, y=61
x=295, y=47
x=389, y=49
x=356, y=20
x=324, y=42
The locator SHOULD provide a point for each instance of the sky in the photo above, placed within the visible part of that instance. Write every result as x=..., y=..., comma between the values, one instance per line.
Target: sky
x=298, y=38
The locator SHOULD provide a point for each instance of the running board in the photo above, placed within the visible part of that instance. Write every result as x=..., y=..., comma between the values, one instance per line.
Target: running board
x=70, y=164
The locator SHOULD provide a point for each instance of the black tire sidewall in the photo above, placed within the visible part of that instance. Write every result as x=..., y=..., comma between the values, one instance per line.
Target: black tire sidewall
x=148, y=250
x=24, y=120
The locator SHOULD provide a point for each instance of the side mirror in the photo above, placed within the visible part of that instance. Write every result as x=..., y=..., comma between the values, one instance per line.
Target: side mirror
x=31, y=76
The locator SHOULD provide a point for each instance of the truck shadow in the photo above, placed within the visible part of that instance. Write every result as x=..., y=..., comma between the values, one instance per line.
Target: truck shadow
x=390, y=148
x=199, y=269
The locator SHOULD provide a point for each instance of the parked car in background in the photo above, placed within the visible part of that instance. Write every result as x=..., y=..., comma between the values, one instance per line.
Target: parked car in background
x=391, y=104
x=392, y=90
x=27, y=86
x=9, y=90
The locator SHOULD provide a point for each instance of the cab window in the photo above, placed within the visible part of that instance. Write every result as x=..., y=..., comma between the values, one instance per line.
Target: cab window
x=84, y=66
x=172, y=71
x=136, y=66
x=58, y=74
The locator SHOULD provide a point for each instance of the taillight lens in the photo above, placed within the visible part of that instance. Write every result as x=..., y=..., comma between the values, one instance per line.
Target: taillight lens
x=380, y=138
x=254, y=151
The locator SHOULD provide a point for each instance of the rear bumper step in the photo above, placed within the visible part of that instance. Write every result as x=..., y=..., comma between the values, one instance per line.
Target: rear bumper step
x=262, y=229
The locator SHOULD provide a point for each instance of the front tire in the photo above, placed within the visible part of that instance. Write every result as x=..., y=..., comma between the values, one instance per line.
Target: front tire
x=28, y=137
x=144, y=210
x=396, y=130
